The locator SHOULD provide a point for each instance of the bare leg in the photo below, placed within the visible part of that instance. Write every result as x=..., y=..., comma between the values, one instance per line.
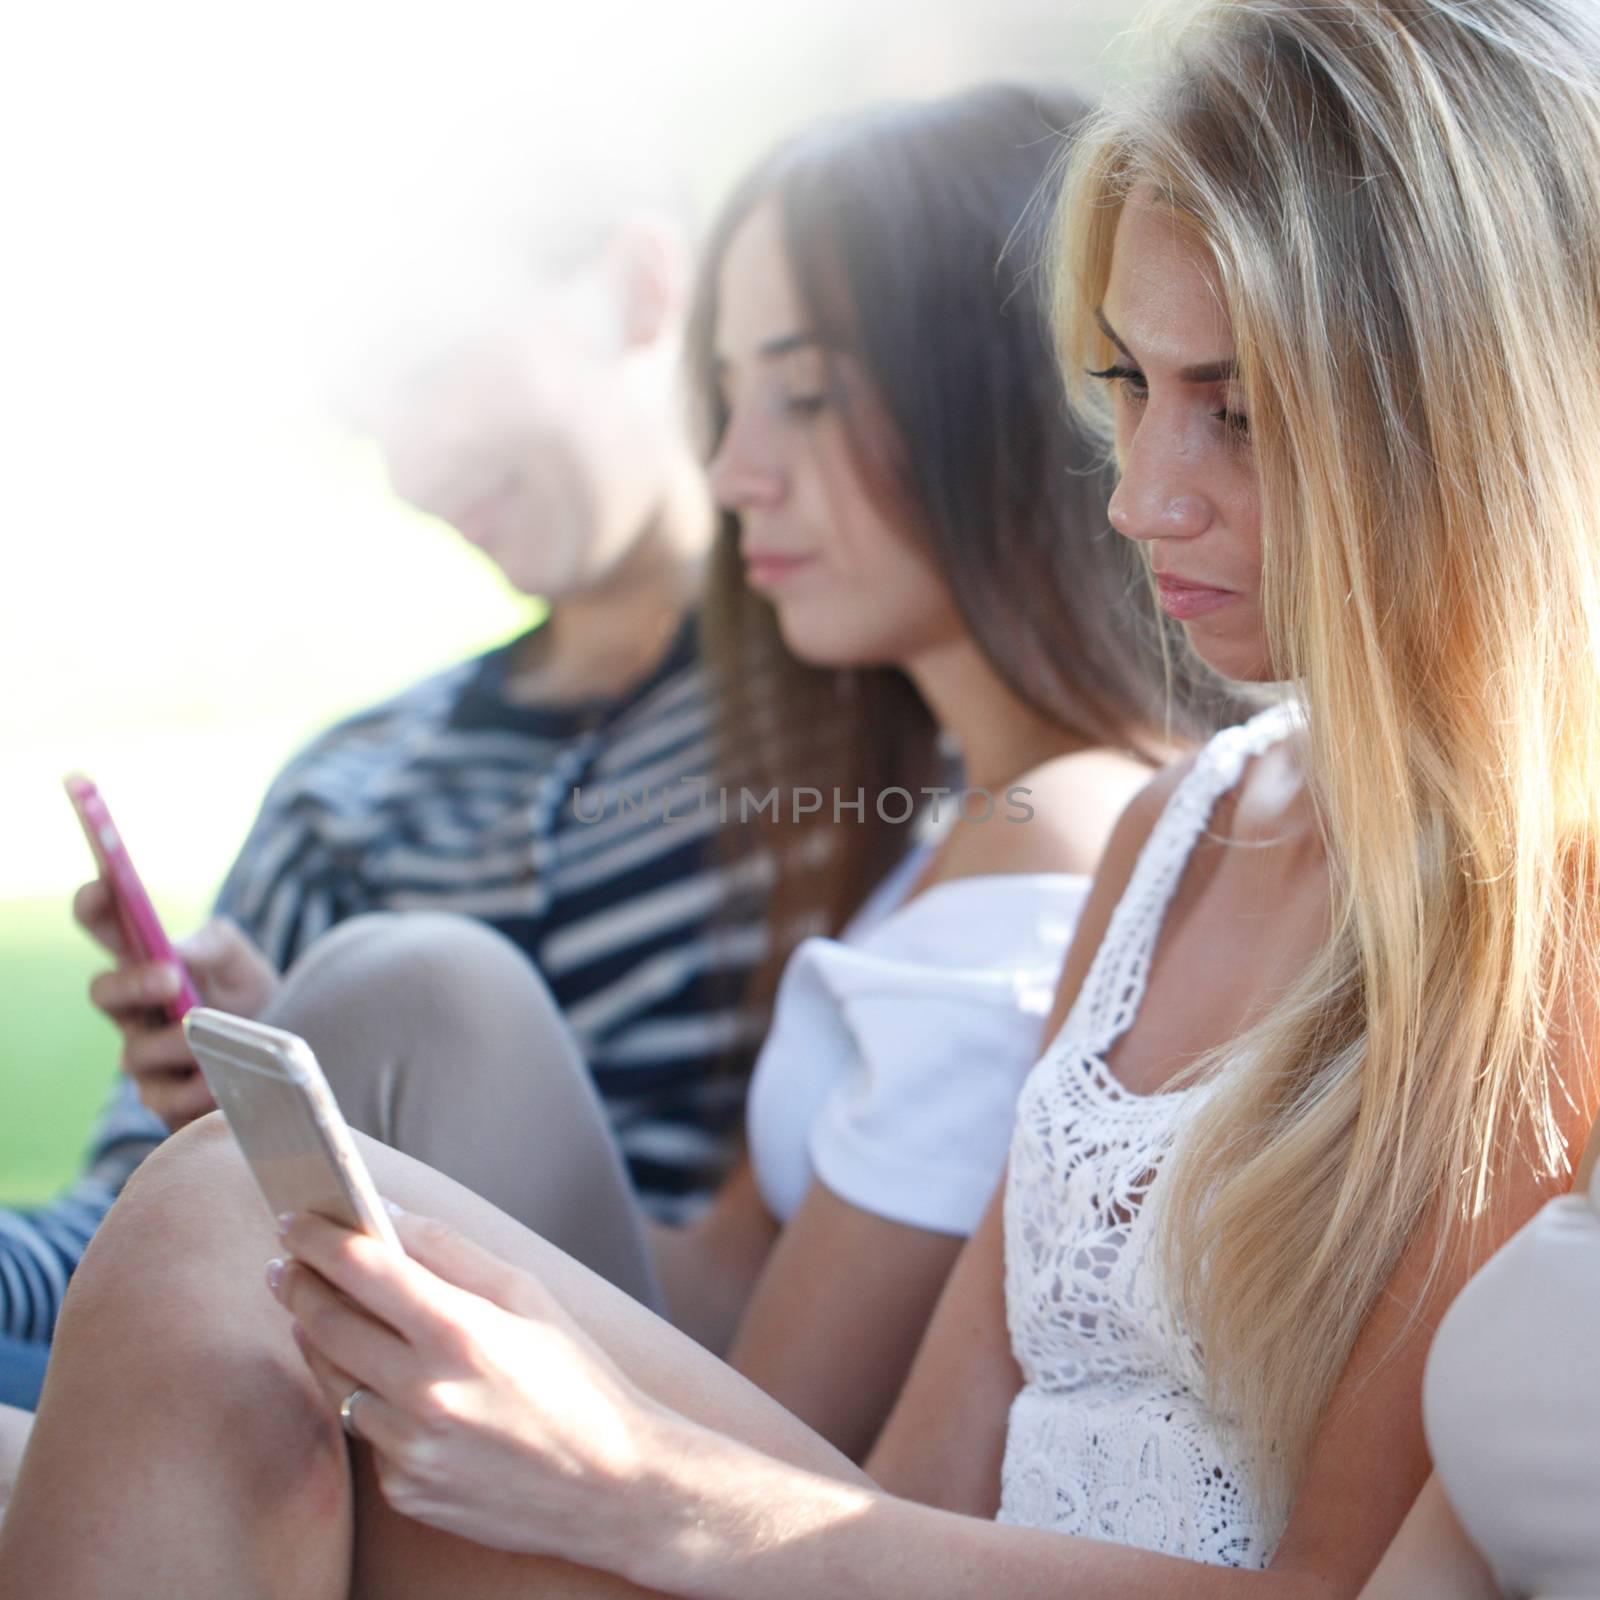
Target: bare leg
x=14, y=1427
x=439, y=1039
x=181, y=1448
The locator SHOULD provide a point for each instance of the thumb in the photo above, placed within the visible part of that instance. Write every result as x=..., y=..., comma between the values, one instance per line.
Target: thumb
x=205, y=947
x=459, y=1261
x=214, y=949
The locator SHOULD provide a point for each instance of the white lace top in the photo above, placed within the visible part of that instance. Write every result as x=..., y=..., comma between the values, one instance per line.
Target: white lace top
x=1110, y=1437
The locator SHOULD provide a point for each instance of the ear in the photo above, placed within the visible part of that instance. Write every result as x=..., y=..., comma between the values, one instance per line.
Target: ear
x=653, y=266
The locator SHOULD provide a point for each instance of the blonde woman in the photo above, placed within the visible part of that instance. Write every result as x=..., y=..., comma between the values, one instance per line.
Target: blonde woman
x=1323, y=1040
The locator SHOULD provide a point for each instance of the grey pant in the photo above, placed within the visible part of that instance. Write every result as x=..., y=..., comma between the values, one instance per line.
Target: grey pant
x=439, y=1038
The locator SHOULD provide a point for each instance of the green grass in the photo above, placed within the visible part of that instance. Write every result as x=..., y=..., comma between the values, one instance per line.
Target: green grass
x=60, y=1055
x=348, y=597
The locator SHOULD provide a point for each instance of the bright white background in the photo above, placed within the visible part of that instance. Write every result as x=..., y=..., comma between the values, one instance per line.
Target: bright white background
x=199, y=571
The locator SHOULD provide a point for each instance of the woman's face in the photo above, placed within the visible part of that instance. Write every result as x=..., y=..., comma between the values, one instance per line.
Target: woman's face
x=849, y=585
x=1187, y=489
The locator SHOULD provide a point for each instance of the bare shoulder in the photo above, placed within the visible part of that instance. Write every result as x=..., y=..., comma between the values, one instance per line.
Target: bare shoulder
x=1133, y=827
x=1059, y=817
x=1128, y=837
x=1103, y=805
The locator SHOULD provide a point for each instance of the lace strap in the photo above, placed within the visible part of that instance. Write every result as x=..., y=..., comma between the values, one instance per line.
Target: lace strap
x=1111, y=994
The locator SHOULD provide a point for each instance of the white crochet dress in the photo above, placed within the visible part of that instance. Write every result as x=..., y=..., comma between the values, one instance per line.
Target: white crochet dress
x=1110, y=1437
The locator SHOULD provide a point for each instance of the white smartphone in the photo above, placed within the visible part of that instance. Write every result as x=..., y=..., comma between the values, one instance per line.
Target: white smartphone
x=283, y=1114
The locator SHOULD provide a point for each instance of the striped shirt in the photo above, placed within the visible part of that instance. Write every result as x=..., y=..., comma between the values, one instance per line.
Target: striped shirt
x=39, y=1249
x=587, y=835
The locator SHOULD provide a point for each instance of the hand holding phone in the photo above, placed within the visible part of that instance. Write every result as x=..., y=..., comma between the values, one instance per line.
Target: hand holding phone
x=144, y=994
x=143, y=937
x=272, y=1090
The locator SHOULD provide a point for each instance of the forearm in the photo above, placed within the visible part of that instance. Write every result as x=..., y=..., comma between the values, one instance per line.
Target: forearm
x=731, y=1524
x=708, y=1268
x=1431, y=1555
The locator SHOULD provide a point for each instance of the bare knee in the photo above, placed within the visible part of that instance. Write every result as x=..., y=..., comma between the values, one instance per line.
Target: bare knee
x=192, y=1185
x=168, y=1319
x=177, y=1261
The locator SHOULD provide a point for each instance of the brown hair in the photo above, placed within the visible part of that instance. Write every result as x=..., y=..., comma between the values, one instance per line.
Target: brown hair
x=915, y=234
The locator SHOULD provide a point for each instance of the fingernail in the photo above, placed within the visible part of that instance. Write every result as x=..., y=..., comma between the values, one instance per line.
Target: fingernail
x=275, y=1273
x=285, y=1218
x=395, y=1210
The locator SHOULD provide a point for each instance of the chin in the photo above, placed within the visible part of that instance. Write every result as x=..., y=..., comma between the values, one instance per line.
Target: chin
x=534, y=585
x=1237, y=660
x=1238, y=666
x=840, y=640
x=818, y=651
x=541, y=572
x=821, y=641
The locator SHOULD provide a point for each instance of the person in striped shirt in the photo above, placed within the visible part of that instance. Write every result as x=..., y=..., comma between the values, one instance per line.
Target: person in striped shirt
x=542, y=787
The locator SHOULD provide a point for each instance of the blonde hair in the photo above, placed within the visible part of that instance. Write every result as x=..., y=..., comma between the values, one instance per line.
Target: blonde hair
x=1402, y=202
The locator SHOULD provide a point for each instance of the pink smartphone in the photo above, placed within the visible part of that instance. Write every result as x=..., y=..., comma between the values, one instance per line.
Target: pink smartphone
x=147, y=939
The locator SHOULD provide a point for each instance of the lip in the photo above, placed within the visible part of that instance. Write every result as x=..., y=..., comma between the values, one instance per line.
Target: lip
x=1185, y=600
x=769, y=569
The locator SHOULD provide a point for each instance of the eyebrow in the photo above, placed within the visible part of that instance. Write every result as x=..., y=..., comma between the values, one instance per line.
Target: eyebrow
x=784, y=343
x=775, y=348
x=1204, y=372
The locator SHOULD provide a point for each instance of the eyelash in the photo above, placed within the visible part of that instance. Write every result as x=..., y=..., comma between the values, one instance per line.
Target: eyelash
x=1236, y=423
x=804, y=407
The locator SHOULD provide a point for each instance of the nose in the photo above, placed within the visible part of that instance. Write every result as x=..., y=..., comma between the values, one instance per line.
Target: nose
x=743, y=476
x=1158, y=495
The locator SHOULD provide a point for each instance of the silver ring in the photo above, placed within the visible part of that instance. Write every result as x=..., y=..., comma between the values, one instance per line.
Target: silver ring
x=348, y=1405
